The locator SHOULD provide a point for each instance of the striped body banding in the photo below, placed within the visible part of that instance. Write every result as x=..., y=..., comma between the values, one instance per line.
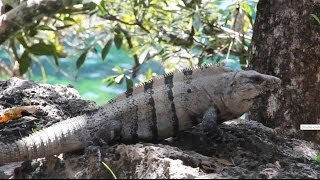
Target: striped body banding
x=153, y=111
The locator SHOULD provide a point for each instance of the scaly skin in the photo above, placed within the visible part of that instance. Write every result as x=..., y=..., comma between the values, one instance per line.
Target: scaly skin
x=152, y=111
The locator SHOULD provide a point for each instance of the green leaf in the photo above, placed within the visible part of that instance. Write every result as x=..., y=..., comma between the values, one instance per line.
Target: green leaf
x=101, y=8
x=42, y=49
x=22, y=40
x=118, y=40
x=129, y=83
x=149, y=73
x=109, y=80
x=315, y=17
x=68, y=18
x=248, y=11
x=81, y=59
x=106, y=49
x=24, y=62
x=56, y=60
x=46, y=27
x=63, y=27
x=109, y=169
x=118, y=69
x=318, y=159
x=119, y=78
x=143, y=56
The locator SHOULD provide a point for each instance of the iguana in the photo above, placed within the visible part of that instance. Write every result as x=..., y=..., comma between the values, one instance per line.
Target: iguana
x=153, y=111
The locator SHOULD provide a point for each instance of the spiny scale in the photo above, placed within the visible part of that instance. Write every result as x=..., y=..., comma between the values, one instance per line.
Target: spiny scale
x=214, y=69
x=153, y=111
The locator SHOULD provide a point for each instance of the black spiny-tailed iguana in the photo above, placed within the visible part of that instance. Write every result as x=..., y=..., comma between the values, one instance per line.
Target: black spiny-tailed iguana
x=153, y=111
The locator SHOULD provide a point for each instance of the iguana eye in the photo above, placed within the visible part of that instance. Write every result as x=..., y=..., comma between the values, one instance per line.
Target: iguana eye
x=256, y=79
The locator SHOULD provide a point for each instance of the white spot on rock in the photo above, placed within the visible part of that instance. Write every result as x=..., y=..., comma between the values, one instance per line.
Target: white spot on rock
x=318, y=75
x=287, y=115
x=278, y=31
x=272, y=105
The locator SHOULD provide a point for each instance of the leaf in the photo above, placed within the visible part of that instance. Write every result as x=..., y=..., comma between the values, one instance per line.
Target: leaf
x=109, y=80
x=118, y=69
x=81, y=59
x=16, y=112
x=68, y=18
x=59, y=51
x=118, y=40
x=129, y=83
x=248, y=11
x=315, y=17
x=106, y=49
x=109, y=169
x=22, y=41
x=196, y=21
x=101, y=8
x=42, y=49
x=24, y=62
x=46, y=27
x=119, y=78
x=143, y=56
x=149, y=73
x=56, y=60
x=318, y=159
x=63, y=27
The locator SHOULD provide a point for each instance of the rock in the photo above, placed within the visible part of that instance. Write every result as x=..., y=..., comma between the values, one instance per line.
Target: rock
x=247, y=149
x=53, y=104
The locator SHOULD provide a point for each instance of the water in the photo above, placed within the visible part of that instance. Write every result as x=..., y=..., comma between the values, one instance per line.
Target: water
x=88, y=80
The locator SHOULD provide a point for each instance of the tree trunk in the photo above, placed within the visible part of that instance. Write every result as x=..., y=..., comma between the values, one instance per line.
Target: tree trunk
x=286, y=44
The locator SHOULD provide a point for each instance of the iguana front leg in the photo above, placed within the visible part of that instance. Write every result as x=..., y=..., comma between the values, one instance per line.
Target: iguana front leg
x=210, y=122
x=108, y=132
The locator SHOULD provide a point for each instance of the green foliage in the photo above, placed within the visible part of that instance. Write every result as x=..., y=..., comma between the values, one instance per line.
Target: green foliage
x=81, y=59
x=316, y=18
x=318, y=159
x=108, y=168
x=176, y=33
x=24, y=62
x=121, y=76
x=118, y=39
x=106, y=49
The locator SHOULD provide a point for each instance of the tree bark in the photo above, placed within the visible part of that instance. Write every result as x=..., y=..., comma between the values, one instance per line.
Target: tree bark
x=26, y=13
x=286, y=44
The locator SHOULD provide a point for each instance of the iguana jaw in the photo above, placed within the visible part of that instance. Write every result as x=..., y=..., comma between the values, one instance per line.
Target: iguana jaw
x=245, y=87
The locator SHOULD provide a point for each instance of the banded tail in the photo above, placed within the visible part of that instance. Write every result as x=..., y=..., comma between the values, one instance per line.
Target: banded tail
x=62, y=137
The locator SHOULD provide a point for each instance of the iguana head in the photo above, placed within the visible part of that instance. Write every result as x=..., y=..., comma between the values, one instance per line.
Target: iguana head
x=244, y=87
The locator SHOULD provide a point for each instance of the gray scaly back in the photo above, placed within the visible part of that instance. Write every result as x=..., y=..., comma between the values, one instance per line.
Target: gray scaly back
x=152, y=111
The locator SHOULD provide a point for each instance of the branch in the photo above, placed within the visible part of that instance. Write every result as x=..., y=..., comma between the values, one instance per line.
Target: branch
x=27, y=12
x=135, y=56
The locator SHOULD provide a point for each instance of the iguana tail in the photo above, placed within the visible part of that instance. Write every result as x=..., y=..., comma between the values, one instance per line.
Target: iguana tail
x=64, y=136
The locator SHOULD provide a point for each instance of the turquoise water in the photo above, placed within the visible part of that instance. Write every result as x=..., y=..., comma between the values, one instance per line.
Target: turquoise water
x=88, y=81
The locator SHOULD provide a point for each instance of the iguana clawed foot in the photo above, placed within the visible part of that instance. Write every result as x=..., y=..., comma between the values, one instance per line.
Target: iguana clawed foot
x=210, y=124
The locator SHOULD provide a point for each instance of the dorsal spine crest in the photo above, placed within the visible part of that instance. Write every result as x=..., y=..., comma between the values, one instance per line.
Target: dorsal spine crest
x=216, y=69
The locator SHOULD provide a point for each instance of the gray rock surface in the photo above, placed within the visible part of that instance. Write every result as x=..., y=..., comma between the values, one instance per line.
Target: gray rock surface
x=247, y=149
